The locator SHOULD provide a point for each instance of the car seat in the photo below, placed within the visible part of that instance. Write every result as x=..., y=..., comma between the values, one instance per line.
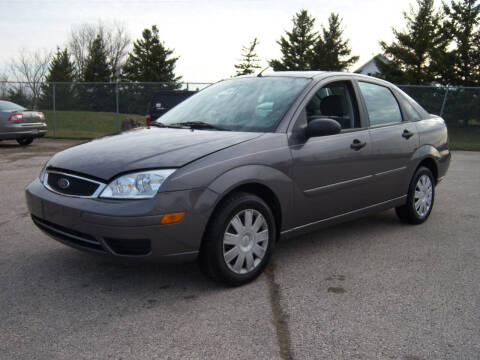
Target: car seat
x=334, y=106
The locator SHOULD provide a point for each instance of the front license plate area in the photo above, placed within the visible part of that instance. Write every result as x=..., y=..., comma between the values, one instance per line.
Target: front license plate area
x=59, y=214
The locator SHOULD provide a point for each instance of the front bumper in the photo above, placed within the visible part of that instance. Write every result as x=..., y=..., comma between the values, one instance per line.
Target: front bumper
x=124, y=228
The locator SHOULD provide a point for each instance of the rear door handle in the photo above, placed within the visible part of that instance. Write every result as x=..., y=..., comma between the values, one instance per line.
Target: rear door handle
x=357, y=144
x=407, y=134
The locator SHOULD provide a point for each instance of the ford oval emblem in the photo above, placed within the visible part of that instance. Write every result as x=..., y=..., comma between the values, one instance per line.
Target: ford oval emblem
x=63, y=183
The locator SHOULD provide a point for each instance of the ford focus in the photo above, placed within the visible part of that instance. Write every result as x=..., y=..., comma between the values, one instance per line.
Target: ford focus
x=242, y=164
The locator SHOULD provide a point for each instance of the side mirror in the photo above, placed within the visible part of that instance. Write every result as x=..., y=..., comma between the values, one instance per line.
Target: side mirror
x=322, y=127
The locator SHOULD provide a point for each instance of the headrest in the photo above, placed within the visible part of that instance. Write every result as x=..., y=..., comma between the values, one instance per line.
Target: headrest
x=333, y=105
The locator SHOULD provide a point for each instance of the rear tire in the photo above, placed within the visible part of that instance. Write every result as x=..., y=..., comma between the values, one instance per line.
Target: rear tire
x=25, y=141
x=420, y=198
x=239, y=240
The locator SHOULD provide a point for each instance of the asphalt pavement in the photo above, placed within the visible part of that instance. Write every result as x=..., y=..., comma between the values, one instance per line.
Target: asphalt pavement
x=373, y=288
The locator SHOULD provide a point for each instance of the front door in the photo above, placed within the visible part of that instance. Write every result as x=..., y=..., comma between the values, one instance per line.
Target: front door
x=332, y=174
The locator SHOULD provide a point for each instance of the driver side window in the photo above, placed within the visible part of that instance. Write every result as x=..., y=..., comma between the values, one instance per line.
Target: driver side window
x=335, y=101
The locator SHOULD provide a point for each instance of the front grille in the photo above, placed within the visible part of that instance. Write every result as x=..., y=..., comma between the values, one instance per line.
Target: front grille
x=68, y=235
x=129, y=246
x=71, y=184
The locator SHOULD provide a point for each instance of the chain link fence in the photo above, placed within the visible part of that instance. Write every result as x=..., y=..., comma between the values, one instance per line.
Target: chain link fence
x=89, y=110
x=459, y=106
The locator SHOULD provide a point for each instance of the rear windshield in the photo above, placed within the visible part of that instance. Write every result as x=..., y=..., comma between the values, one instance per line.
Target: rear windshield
x=9, y=106
x=247, y=104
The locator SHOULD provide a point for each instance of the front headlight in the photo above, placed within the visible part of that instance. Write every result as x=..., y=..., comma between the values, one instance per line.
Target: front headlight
x=139, y=185
x=43, y=172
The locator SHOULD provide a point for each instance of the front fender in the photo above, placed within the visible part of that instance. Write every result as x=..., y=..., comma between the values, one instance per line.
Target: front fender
x=278, y=182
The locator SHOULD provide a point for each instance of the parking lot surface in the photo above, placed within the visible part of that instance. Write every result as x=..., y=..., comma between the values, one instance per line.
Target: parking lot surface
x=373, y=288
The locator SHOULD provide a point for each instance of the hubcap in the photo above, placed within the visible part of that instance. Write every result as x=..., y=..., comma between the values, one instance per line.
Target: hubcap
x=245, y=241
x=423, y=195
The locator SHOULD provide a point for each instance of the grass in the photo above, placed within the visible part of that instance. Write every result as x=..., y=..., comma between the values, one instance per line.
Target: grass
x=90, y=124
x=86, y=124
x=464, y=138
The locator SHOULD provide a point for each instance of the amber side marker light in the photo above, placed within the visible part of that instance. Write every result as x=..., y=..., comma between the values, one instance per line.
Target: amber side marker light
x=172, y=218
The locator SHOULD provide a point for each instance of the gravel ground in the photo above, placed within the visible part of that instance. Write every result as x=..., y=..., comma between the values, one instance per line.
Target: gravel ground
x=368, y=289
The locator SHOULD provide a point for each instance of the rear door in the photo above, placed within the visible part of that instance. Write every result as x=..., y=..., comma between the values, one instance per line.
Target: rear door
x=332, y=174
x=394, y=139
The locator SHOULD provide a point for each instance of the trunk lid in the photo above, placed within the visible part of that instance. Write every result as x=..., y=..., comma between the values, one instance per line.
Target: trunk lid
x=32, y=117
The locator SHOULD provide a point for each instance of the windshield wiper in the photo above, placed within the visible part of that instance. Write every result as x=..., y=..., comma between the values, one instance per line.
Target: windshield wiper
x=161, y=125
x=200, y=125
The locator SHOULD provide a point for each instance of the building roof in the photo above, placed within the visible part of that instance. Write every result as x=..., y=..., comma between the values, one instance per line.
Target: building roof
x=372, y=62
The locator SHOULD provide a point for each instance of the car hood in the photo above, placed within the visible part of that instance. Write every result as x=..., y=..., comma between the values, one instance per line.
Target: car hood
x=146, y=148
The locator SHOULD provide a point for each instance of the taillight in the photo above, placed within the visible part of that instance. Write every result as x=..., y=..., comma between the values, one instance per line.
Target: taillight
x=148, y=118
x=41, y=116
x=17, y=117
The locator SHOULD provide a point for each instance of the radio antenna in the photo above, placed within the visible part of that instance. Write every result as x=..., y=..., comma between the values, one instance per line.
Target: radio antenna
x=260, y=73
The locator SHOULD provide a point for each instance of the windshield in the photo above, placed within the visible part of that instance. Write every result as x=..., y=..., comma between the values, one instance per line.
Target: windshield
x=9, y=106
x=249, y=104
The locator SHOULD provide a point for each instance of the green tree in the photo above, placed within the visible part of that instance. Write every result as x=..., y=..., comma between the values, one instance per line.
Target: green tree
x=19, y=95
x=249, y=61
x=418, y=54
x=462, y=24
x=96, y=66
x=331, y=51
x=150, y=60
x=297, y=47
x=60, y=69
x=97, y=97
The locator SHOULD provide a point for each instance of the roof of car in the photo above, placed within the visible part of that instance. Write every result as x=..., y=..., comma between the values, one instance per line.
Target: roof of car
x=324, y=74
x=321, y=75
x=309, y=74
x=305, y=74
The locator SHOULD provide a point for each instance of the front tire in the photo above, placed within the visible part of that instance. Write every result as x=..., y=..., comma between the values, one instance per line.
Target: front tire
x=239, y=240
x=421, y=195
x=25, y=141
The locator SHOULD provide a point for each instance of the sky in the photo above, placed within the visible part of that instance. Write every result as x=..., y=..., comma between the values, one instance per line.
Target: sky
x=207, y=35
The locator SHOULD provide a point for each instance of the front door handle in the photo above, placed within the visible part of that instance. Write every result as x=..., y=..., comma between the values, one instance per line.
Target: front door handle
x=357, y=144
x=407, y=134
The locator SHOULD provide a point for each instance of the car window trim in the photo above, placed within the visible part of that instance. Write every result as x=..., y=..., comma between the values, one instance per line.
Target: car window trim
x=320, y=138
x=390, y=124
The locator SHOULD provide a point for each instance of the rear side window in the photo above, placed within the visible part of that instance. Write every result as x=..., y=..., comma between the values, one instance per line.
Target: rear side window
x=413, y=109
x=411, y=113
x=382, y=106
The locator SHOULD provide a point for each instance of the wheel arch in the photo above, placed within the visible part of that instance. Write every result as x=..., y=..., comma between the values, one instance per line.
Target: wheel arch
x=430, y=164
x=264, y=193
x=270, y=184
x=427, y=156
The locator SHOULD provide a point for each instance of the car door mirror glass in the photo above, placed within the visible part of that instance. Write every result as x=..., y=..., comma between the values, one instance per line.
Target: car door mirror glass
x=322, y=127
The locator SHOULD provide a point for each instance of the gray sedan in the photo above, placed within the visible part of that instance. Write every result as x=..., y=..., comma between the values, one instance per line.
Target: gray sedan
x=241, y=165
x=21, y=124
